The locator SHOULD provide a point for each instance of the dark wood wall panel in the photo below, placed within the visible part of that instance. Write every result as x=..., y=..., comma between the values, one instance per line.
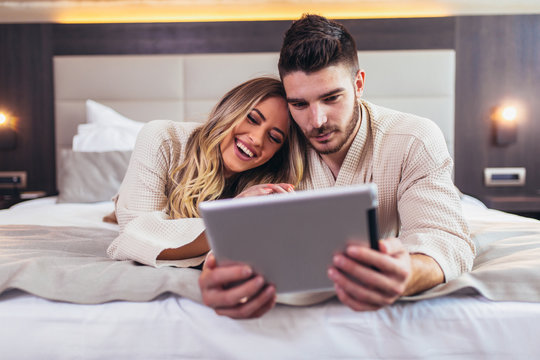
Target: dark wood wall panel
x=402, y=34
x=242, y=36
x=498, y=58
x=26, y=92
x=162, y=38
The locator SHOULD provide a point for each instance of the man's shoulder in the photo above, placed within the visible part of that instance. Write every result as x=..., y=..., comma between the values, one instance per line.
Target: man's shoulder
x=393, y=122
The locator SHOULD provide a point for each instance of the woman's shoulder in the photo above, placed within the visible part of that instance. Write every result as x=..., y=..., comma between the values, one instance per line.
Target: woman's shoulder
x=167, y=129
x=158, y=132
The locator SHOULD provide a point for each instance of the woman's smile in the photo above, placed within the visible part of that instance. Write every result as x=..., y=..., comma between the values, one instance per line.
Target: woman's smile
x=244, y=151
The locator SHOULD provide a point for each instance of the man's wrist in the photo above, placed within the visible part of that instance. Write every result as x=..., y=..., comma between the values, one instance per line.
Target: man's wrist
x=425, y=274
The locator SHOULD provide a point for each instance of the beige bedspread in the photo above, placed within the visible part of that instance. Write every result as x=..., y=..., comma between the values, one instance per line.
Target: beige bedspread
x=69, y=264
x=507, y=264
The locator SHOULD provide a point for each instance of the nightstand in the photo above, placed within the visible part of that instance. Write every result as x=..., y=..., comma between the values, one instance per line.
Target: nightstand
x=6, y=202
x=520, y=205
x=9, y=199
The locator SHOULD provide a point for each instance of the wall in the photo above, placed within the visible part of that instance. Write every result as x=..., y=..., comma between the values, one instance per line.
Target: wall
x=26, y=49
x=495, y=56
x=26, y=91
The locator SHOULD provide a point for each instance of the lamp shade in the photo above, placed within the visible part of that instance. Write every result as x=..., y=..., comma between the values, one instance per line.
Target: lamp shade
x=505, y=125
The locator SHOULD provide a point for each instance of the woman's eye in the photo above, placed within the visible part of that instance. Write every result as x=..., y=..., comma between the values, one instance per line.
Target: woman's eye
x=252, y=119
x=276, y=139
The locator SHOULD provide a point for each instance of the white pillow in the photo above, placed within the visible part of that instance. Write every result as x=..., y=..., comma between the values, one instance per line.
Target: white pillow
x=100, y=114
x=105, y=130
x=97, y=138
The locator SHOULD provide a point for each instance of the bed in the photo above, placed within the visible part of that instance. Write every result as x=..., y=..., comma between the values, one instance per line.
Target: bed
x=62, y=298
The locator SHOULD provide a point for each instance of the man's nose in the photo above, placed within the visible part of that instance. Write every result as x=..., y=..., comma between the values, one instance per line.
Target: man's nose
x=318, y=116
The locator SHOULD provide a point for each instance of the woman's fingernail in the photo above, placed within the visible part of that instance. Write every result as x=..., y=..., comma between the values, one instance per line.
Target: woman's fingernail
x=247, y=271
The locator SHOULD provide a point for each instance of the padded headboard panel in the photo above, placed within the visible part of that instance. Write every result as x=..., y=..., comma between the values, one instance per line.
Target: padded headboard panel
x=186, y=87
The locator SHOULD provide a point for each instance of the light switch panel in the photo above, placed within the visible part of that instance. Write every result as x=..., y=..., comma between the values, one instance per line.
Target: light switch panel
x=12, y=179
x=504, y=176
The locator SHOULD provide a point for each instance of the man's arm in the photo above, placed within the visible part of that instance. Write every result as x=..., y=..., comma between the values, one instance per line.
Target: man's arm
x=425, y=274
x=366, y=279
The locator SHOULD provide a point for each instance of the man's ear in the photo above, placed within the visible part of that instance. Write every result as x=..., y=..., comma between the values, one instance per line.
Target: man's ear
x=359, y=83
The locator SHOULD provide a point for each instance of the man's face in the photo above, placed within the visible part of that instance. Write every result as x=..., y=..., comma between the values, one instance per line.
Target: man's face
x=324, y=105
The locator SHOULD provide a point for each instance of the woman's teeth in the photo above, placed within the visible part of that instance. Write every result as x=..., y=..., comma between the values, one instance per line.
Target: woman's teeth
x=244, y=149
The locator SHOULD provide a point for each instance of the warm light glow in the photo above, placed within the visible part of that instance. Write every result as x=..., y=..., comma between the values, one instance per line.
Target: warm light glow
x=118, y=12
x=509, y=113
x=3, y=119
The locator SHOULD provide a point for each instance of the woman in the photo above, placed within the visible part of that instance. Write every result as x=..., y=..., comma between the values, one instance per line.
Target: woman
x=249, y=146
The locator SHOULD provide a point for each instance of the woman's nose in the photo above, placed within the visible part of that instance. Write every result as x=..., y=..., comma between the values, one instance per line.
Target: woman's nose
x=257, y=137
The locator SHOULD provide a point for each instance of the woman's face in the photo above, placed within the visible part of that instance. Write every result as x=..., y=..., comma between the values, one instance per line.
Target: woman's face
x=257, y=137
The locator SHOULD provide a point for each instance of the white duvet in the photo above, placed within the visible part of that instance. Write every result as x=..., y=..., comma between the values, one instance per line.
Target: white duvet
x=458, y=326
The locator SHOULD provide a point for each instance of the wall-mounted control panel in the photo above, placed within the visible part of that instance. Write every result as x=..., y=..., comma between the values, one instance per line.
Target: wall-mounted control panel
x=12, y=179
x=504, y=176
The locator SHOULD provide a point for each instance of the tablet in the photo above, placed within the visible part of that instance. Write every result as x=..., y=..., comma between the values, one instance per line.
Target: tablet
x=291, y=238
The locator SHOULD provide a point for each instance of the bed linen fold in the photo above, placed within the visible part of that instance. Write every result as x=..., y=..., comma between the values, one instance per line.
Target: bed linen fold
x=507, y=264
x=69, y=263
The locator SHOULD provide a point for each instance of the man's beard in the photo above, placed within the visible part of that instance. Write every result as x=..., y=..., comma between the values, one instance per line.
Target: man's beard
x=349, y=130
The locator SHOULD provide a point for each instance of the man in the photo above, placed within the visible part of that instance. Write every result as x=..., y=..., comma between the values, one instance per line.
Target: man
x=354, y=141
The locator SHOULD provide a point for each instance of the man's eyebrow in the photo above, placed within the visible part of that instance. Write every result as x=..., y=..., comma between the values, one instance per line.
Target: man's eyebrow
x=325, y=95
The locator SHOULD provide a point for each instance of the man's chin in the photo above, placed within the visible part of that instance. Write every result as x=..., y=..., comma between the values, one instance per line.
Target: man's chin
x=325, y=148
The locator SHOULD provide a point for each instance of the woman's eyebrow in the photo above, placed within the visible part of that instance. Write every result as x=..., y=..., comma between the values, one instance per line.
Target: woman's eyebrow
x=260, y=114
x=264, y=119
x=279, y=131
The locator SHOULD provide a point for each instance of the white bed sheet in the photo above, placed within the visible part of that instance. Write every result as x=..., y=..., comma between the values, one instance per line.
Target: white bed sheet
x=452, y=327
x=46, y=211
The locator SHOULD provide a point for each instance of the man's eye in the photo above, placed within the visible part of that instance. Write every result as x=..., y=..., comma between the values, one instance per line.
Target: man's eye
x=298, y=105
x=332, y=98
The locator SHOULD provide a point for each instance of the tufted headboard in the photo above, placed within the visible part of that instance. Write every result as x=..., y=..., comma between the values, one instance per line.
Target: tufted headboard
x=186, y=87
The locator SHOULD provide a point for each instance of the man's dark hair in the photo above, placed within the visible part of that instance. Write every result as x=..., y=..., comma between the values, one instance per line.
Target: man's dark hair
x=314, y=42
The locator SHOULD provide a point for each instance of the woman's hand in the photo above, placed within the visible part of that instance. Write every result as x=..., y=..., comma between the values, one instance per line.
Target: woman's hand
x=266, y=189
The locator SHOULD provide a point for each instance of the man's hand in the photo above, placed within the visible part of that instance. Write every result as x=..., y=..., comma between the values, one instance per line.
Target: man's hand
x=233, y=291
x=366, y=279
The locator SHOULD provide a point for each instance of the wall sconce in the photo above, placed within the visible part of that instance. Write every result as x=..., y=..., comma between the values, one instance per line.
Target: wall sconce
x=505, y=119
x=8, y=136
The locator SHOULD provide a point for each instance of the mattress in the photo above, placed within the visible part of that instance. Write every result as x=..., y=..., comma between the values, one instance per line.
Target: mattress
x=460, y=325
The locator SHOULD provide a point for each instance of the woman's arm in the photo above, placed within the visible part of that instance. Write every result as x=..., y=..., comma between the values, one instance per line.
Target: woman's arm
x=146, y=230
x=197, y=247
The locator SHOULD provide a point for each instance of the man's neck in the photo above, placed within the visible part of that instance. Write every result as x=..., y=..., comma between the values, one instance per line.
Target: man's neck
x=335, y=160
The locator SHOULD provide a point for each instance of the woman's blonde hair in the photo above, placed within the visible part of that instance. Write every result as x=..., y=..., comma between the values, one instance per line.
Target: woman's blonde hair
x=200, y=176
